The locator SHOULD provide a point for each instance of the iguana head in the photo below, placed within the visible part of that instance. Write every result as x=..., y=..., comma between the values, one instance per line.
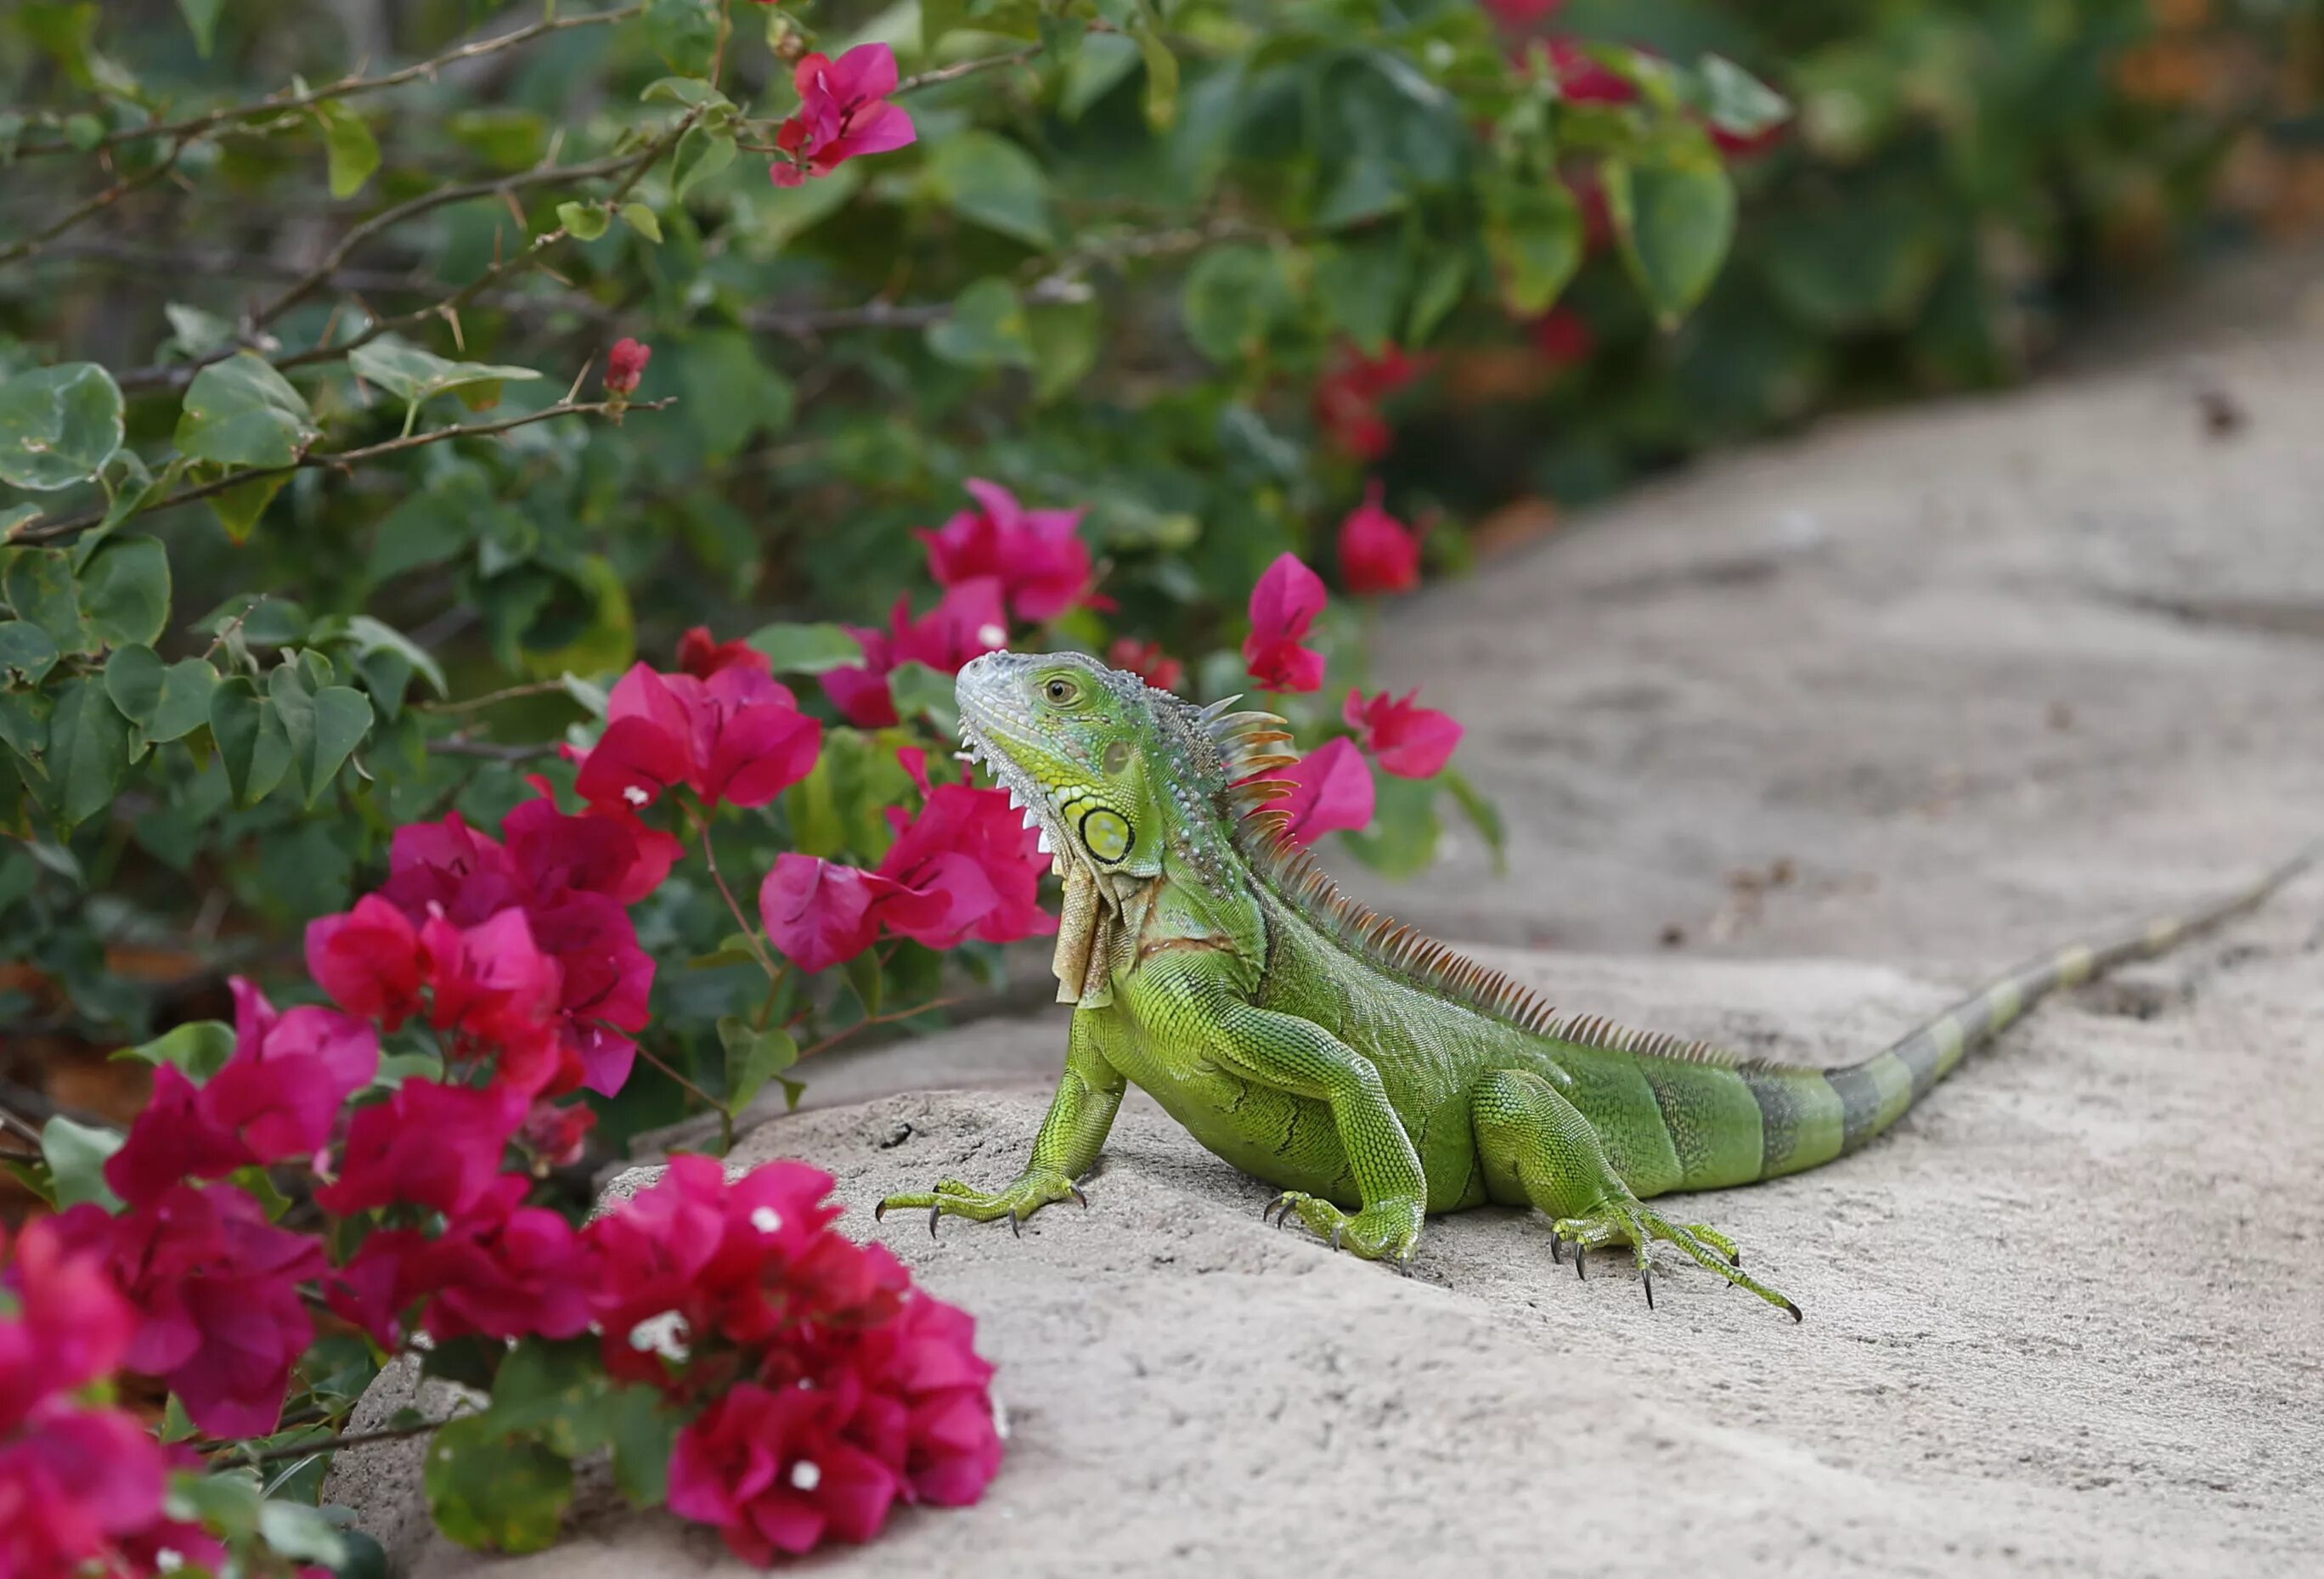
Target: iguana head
x=1089, y=751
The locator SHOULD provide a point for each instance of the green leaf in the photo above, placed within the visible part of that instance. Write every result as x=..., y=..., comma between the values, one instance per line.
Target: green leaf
x=729, y=393
x=166, y=702
x=27, y=653
x=1733, y=100
x=39, y=585
x=321, y=725
x=58, y=425
x=25, y=728
x=1161, y=72
x=701, y=152
x=1402, y=840
x=199, y=1047
x=1482, y=814
x=684, y=33
x=242, y=412
x=791, y=649
x=553, y=1391
x=606, y=639
x=862, y=974
x=370, y=635
x=1361, y=287
x=753, y=1057
x=1064, y=337
x=1103, y=60
x=644, y=220
x=88, y=750
x=300, y=1533
x=1234, y=298
x=201, y=19
x=251, y=744
x=76, y=1155
x=1674, y=222
x=413, y=376
x=583, y=221
x=988, y=180
x=987, y=328
x=924, y=692
x=352, y=151
x=125, y=592
x=493, y=1493
x=238, y=508
x=132, y=485
x=641, y=1432
x=1367, y=189
x=688, y=91
x=1437, y=294
x=1535, y=233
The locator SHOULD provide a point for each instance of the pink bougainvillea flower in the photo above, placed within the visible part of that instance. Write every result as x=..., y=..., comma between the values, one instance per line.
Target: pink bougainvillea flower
x=74, y=1487
x=1332, y=789
x=1347, y=399
x=449, y=867
x=282, y=1091
x=1378, y=552
x=171, y=1139
x=1037, y=555
x=772, y=1472
x=606, y=976
x=215, y=1287
x=702, y=655
x=604, y=850
x=819, y=913
x=1563, y=338
x=625, y=365
x=558, y=1134
x=428, y=1145
x=1411, y=741
x=954, y=1438
x=965, y=866
x=971, y=619
x=1148, y=662
x=497, y=993
x=844, y=112
x=368, y=960
x=522, y=1273
x=738, y=736
x=69, y=1325
x=1283, y=610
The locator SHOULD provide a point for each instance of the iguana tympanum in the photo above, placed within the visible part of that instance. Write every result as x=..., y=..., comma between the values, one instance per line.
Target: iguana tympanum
x=1376, y=1075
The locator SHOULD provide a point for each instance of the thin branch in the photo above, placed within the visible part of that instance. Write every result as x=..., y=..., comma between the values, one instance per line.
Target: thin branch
x=459, y=745
x=684, y=1084
x=835, y=1037
x=345, y=88
x=95, y=205
x=351, y=1439
x=44, y=531
x=540, y=687
x=710, y=858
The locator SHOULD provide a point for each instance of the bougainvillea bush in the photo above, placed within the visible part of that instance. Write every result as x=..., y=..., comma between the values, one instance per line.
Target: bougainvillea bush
x=476, y=774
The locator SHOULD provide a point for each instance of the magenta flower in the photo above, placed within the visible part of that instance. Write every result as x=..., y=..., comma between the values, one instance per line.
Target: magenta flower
x=965, y=866
x=428, y=1145
x=216, y=1289
x=738, y=736
x=282, y=1091
x=510, y=1275
x=69, y=1325
x=368, y=959
x=1283, y=610
x=702, y=655
x=625, y=365
x=819, y=913
x=1378, y=552
x=969, y=620
x=604, y=850
x=1037, y=555
x=170, y=1140
x=844, y=112
x=773, y=1472
x=78, y=1484
x=1332, y=789
x=1411, y=741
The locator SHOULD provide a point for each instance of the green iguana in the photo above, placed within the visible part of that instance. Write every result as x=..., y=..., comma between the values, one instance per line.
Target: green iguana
x=1374, y=1075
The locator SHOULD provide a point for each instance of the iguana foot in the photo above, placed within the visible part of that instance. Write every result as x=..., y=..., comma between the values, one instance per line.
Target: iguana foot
x=1626, y=1222
x=1384, y=1230
x=1029, y=1193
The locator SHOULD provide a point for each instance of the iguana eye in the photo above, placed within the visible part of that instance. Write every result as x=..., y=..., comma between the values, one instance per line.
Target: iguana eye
x=1061, y=691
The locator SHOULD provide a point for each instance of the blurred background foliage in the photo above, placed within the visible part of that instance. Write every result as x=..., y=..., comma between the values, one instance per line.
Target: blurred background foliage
x=1204, y=268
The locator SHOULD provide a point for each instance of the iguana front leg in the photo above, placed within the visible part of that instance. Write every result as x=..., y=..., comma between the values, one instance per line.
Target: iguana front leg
x=1089, y=1093
x=1301, y=1058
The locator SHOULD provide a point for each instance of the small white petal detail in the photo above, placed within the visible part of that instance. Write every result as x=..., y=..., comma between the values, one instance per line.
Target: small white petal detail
x=806, y=1476
x=766, y=1220
x=635, y=795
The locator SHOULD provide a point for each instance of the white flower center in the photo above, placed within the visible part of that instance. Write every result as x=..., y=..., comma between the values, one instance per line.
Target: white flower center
x=664, y=1335
x=999, y=1418
x=168, y=1561
x=766, y=1220
x=992, y=635
x=806, y=1476
x=635, y=795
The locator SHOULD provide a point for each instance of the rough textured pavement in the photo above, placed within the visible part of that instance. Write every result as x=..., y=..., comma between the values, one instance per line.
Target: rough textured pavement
x=1863, y=716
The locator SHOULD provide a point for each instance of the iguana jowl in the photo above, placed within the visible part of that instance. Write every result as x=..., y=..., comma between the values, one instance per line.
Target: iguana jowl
x=1374, y=1075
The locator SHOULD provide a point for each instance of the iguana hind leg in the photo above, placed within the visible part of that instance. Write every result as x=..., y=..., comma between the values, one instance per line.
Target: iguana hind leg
x=1537, y=1146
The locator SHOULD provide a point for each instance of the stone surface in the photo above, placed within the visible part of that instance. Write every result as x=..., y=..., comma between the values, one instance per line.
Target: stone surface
x=1864, y=716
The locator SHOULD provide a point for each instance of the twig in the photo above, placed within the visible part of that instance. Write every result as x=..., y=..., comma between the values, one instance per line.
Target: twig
x=960, y=69
x=836, y=1036
x=42, y=532
x=491, y=750
x=102, y=201
x=684, y=1084
x=540, y=687
x=345, y=88
x=710, y=858
x=351, y=1439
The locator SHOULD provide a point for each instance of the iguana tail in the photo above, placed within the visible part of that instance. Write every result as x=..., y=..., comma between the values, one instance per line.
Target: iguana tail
x=1803, y=1128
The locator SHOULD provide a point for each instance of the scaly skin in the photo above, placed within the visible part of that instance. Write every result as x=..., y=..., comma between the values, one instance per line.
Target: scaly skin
x=1371, y=1074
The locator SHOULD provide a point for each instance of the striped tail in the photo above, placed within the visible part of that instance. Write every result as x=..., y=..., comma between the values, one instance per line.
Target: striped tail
x=1803, y=1127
